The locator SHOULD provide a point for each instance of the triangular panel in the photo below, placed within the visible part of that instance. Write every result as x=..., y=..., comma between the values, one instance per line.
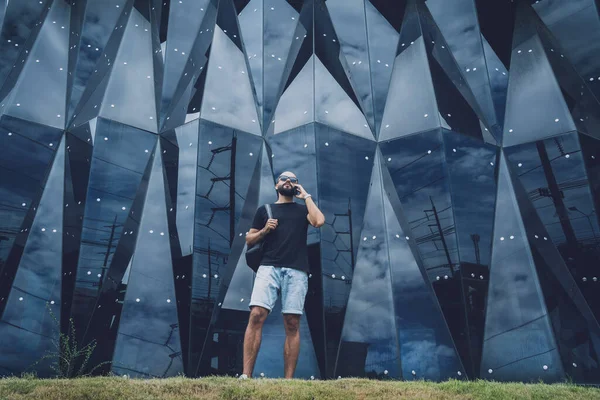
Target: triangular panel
x=369, y=344
x=148, y=343
x=47, y=64
x=334, y=107
x=134, y=65
x=228, y=98
x=27, y=321
x=519, y=343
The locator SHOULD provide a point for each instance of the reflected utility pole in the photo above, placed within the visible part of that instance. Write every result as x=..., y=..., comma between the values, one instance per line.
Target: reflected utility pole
x=438, y=225
x=556, y=194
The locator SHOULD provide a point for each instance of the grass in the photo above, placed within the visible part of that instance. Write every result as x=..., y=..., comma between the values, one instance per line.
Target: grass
x=114, y=388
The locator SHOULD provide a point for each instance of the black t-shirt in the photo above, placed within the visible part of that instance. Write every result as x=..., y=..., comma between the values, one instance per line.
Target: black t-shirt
x=286, y=245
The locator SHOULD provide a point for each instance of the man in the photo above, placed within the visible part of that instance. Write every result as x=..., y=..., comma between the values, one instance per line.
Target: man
x=284, y=268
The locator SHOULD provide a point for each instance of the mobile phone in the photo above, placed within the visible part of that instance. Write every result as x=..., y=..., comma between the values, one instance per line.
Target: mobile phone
x=296, y=191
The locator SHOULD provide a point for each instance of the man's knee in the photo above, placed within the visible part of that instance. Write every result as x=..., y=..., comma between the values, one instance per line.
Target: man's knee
x=292, y=323
x=258, y=315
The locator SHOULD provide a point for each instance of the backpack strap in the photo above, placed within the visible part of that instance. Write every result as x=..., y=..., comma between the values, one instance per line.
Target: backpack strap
x=269, y=213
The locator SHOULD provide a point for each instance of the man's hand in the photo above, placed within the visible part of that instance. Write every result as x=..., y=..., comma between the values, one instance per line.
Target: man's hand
x=270, y=225
x=302, y=195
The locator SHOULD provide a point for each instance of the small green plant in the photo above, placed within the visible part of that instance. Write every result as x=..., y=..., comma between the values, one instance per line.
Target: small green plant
x=69, y=360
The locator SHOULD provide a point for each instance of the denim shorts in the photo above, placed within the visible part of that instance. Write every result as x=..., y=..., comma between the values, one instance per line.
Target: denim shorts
x=292, y=283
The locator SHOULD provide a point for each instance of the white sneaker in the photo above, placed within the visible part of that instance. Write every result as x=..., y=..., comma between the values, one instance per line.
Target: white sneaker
x=243, y=376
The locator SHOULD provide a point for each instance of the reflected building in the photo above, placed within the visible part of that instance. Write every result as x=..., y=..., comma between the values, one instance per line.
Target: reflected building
x=453, y=146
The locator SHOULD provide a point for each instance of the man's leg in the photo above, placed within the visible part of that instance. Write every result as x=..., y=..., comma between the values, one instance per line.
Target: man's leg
x=253, y=337
x=293, y=292
x=291, y=348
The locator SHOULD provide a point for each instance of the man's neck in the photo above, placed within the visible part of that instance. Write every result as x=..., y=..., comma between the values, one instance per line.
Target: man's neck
x=284, y=199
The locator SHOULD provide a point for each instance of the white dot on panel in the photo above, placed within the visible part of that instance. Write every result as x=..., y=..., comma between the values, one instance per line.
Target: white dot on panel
x=89, y=272
x=567, y=155
x=20, y=299
x=137, y=300
x=168, y=300
x=426, y=115
x=556, y=120
x=43, y=229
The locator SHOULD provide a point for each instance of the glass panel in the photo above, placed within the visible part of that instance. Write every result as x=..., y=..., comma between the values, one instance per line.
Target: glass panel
x=99, y=22
x=458, y=106
x=554, y=176
x=576, y=330
x=419, y=173
x=24, y=163
x=470, y=172
x=133, y=67
x=458, y=24
x=228, y=97
x=281, y=24
x=536, y=108
x=498, y=75
x=344, y=164
x=582, y=102
x=251, y=27
x=120, y=151
x=40, y=92
x=576, y=26
x=19, y=31
x=226, y=162
x=186, y=20
x=411, y=105
x=383, y=42
x=296, y=105
x=426, y=347
x=518, y=337
x=334, y=107
x=349, y=21
x=369, y=345
x=148, y=343
x=187, y=137
x=27, y=323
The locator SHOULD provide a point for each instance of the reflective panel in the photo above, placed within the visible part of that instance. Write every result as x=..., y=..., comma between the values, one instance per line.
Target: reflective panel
x=334, y=107
x=350, y=24
x=133, y=64
x=148, y=342
x=369, y=343
x=228, y=97
x=342, y=198
x=281, y=28
x=296, y=106
x=418, y=169
x=535, y=107
x=457, y=21
x=383, y=24
x=411, y=86
x=582, y=49
x=20, y=28
x=517, y=345
x=28, y=323
x=470, y=172
x=553, y=174
x=426, y=348
x=119, y=151
x=226, y=162
x=187, y=138
x=250, y=21
x=98, y=26
x=48, y=63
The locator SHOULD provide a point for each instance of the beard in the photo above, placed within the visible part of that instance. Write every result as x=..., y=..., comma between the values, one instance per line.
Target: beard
x=287, y=192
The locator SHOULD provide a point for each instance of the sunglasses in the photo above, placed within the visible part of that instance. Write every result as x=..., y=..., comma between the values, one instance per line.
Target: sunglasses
x=284, y=178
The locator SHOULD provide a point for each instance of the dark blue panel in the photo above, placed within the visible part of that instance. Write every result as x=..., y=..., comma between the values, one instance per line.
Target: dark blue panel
x=30, y=322
x=519, y=343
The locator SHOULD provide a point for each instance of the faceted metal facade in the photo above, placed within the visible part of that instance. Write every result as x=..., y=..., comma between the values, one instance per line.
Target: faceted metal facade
x=453, y=145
